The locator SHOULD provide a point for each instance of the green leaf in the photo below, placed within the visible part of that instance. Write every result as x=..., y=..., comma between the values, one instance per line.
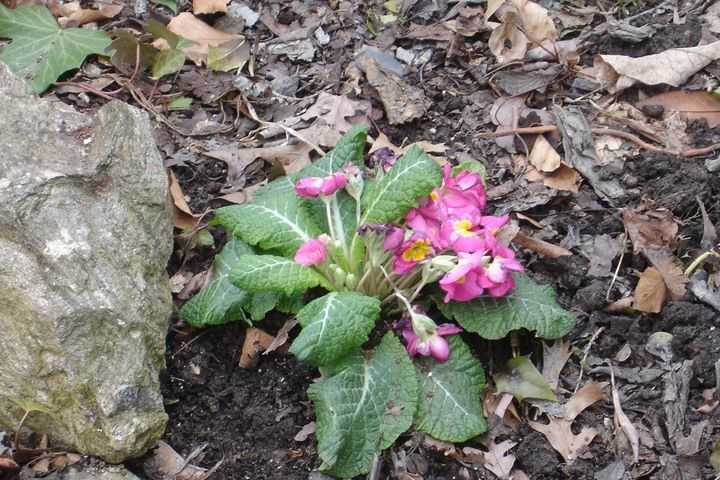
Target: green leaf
x=268, y=273
x=261, y=303
x=450, y=406
x=349, y=149
x=291, y=304
x=471, y=166
x=334, y=325
x=315, y=209
x=273, y=221
x=530, y=306
x=523, y=380
x=167, y=62
x=180, y=103
x=158, y=30
x=171, y=4
x=40, y=49
x=364, y=407
x=125, y=50
x=414, y=175
x=220, y=301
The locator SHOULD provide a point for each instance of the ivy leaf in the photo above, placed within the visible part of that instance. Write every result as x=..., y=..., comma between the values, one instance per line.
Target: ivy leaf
x=352, y=407
x=414, y=175
x=450, y=407
x=269, y=273
x=167, y=62
x=530, y=306
x=333, y=326
x=273, y=221
x=220, y=301
x=349, y=149
x=523, y=380
x=40, y=49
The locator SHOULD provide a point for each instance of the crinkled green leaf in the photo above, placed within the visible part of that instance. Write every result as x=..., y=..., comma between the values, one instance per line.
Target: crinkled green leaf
x=450, y=403
x=220, y=301
x=471, y=166
x=413, y=176
x=273, y=221
x=349, y=149
x=523, y=380
x=260, y=304
x=269, y=273
x=291, y=304
x=167, y=62
x=42, y=51
x=334, y=325
x=364, y=407
x=530, y=306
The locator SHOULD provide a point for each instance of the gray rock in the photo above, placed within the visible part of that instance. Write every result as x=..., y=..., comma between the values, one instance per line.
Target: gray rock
x=101, y=472
x=85, y=235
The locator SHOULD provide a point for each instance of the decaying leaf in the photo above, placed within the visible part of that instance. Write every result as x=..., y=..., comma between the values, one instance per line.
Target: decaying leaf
x=690, y=105
x=715, y=457
x=256, y=341
x=710, y=401
x=673, y=67
x=653, y=232
x=201, y=34
x=169, y=464
x=282, y=336
x=650, y=292
x=185, y=219
x=523, y=380
x=559, y=432
x=305, y=432
x=335, y=111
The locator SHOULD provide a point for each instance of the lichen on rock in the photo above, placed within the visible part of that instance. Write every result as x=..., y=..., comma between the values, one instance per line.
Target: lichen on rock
x=85, y=235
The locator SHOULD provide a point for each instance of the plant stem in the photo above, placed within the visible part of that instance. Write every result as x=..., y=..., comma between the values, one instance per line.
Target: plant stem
x=329, y=215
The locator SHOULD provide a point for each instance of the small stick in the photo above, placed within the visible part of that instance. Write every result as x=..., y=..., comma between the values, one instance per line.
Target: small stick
x=585, y=355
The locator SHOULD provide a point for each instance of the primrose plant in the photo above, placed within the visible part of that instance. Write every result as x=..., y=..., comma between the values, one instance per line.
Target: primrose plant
x=389, y=239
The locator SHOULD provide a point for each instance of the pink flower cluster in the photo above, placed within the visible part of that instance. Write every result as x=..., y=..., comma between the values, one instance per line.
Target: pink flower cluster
x=451, y=220
x=435, y=346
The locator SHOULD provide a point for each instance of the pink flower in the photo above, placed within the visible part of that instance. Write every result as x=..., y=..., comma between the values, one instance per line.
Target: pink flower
x=458, y=198
x=498, y=271
x=466, y=281
x=313, y=252
x=462, y=235
x=393, y=238
x=311, y=187
x=410, y=253
x=434, y=344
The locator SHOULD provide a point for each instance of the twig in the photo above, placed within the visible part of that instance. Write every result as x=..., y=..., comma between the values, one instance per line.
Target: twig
x=19, y=427
x=288, y=131
x=690, y=152
x=617, y=269
x=585, y=355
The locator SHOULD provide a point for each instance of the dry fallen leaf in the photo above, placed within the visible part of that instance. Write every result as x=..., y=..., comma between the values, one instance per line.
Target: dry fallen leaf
x=690, y=104
x=537, y=24
x=203, y=35
x=673, y=67
x=555, y=357
x=256, y=341
x=334, y=110
x=653, y=232
x=496, y=459
x=507, y=42
x=546, y=249
x=166, y=461
x=564, y=178
x=650, y=292
x=73, y=15
x=559, y=432
x=209, y=6
x=543, y=156
x=282, y=336
x=185, y=219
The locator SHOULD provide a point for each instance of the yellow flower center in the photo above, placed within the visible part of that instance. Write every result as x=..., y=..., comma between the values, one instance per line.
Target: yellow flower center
x=463, y=227
x=434, y=195
x=460, y=280
x=417, y=251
